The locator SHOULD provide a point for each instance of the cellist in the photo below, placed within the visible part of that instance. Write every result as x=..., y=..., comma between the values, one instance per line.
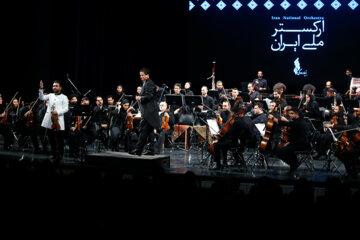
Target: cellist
x=242, y=129
x=58, y=105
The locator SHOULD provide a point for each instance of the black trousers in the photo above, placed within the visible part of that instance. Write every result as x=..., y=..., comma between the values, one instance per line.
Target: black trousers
x=56, y=139
x=287, y=154
x=32, y=132
x=8, y=137
x=145, y=131
x=351, y=160
x=221, y=149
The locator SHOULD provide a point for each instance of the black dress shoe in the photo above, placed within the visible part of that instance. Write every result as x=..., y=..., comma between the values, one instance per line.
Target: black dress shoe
x=149, y=153
x=216, y=166
x=135, y=152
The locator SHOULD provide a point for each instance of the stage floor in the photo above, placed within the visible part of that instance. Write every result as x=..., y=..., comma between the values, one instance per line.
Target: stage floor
x=198, y=161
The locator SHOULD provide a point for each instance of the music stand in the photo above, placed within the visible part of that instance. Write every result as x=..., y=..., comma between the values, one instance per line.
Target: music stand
x=323, y=102
x=194, y=100
x=174, y=99
x=83, y=110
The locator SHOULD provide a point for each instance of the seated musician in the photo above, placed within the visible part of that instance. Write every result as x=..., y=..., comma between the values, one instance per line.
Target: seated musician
x=165, y=116
x=99, y=122
x=5, y=131
x=78, y=131
x=254, y=95
x=110, y=103
x=298, y=138
x=357, y=98
x=187, y=87
x=207, y=100
x=276, y=133
x=225, y=113
x=350, y=158
x=310, y=107
x=259, y=115
x=118, y=122
x=178, y=110
x=221, y=91
x=280, y=86
x=325, y=139
x=242, y=129
x=119, y=95
x=28, y=119
x=13, y=114
x=276, y=95
x=333, y=99
x=328, y=85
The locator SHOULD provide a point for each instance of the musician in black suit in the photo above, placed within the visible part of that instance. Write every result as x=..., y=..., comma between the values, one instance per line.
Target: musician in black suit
x=149, y=112
x=298, y=138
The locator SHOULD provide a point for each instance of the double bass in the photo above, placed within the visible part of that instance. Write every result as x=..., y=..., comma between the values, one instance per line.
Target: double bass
x=268, y=131
x=227, y=125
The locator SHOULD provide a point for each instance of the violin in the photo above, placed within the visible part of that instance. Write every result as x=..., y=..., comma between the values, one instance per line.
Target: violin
x=129, y=124
x=227, y=125
x=29, y=119
x=55, y=120
x=78, y=122
x=4, y=119
x=357, y=113
x=165, y=123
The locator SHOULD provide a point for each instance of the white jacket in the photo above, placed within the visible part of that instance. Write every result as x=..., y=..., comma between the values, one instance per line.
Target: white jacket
x=60, y=103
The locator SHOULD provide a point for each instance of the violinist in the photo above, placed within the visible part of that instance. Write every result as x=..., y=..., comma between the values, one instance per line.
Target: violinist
x=100, y=122
x=58, y=105
x=333, y=100
x=349, y=136
x=78, y=131
x=222, y=93
x=242, y=129
x=325, y=139
x=13, y=113
x=28, y=118
x=175, y=109
x=5, y=131
x=167, y=121
x=118, y=125
x=298, y=138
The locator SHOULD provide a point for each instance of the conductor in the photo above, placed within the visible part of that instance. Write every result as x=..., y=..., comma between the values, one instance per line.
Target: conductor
x=150, y=116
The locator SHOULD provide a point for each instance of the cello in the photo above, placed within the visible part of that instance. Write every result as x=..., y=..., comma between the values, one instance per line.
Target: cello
x=227, y=125
x=268, y=131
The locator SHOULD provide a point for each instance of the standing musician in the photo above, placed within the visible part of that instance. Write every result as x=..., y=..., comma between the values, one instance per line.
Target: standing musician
x=5, y=131
x=167, y=121
x=149, y=111
x=242, y=129
x=259, y=83
x=221, y=91
x=298, y=138
x=54, y=118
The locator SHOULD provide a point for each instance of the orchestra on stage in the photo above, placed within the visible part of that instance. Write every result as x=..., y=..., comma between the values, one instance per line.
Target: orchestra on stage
x=145, y=120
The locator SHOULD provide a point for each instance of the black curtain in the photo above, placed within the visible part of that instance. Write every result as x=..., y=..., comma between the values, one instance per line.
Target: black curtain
x=100, y=44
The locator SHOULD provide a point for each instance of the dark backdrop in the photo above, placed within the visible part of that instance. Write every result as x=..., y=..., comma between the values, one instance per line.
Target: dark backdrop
x=98, y=43
x=239, y=41
x=101, y=43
